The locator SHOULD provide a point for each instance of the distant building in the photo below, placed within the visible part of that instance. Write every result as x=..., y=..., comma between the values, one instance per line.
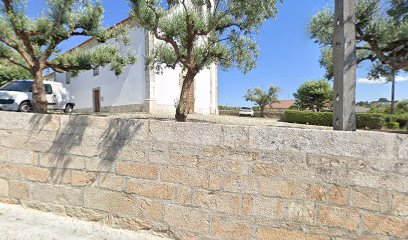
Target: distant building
x=282, y=105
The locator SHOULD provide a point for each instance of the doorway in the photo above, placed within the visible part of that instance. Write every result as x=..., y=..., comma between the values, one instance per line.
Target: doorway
x=97, y=99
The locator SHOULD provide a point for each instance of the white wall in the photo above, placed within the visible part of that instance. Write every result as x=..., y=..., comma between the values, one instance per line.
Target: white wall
x=126, y=89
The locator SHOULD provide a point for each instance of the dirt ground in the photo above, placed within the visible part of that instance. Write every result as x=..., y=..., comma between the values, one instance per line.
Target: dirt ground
x=18, y=223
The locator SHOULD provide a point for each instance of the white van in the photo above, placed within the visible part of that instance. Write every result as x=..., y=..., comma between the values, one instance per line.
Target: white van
x=17, y=95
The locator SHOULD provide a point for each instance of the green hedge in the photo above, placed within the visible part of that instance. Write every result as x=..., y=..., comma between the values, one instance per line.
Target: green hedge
x=371, y=120
x=311, y=118
x=364, y=120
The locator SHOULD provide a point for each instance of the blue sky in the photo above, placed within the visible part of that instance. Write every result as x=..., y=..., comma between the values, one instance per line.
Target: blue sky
x=288, y=57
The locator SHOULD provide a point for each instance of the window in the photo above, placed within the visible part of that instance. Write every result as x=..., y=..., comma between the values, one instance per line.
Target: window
x=48, y=89
x=96, y=71
x=18, y=86
x=68, y=78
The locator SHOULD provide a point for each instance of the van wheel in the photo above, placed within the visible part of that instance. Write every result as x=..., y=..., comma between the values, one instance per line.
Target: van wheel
x=25, y=107
x=69, y=108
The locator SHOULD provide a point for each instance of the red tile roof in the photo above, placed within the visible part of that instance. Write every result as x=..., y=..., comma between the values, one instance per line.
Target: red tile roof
x=283, y=104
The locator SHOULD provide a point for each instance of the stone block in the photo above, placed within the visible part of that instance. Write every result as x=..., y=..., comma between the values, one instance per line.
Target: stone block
x=35, y=174
x=138, y=170
x=353, y=144
x=269, y=233
x=109, y=201
x=402, y=147
x=241, y=184
x=220, y=202
x=267, y=170
x=364, y=198
x=235, y=136
x=9, y=171
x=184, y=176
x=19, y=190
x=191, y=133
x=225, y=229
x=111, y=181
x=4, y=188
x=271, y=208
x=81, y=179
x=386, y=225
x=301, y=212
x=148, y=209
x=62, y=160
x=57, y=195
x=186, y=160
x=339, y=217
x=150, y=189
x=184, y=196
x=186, y=218
x=18, y=156
x=400, y=204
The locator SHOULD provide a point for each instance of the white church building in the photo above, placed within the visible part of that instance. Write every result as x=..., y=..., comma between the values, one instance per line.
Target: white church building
x=138, y=88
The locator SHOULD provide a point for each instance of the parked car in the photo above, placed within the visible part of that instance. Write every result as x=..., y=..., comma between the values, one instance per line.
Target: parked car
x=17, y=95
x=246, y=111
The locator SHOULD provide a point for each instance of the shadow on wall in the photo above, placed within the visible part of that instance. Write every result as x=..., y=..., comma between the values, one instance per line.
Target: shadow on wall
x=73, y=140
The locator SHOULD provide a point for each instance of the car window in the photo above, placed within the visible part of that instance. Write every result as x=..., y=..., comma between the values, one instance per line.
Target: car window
x=48, y=89
x=18, y=86
x=246, y=108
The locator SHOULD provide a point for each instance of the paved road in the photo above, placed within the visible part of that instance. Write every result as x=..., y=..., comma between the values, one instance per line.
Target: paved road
x=18, y=223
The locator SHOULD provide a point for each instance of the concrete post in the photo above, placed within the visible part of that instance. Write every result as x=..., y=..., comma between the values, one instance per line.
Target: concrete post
x=344, y=66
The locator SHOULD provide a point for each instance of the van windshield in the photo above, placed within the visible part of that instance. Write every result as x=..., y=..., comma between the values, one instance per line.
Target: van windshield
x=18, y=86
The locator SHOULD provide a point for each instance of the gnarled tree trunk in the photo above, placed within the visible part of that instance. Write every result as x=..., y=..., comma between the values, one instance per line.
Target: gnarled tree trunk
x=39, y=101
x=186, y=99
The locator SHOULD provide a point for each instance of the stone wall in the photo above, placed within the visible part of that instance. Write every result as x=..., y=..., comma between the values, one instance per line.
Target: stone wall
x=205, y=181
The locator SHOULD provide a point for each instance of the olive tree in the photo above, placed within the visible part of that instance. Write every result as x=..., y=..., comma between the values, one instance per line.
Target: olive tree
x=314, y=95
x=194, y=34
x=262, y=98
x=32, y=43
x=381, y=34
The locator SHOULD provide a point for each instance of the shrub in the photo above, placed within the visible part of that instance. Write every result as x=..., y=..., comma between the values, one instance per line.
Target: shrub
x=364, y=120
x=393, y=125
x=312, y=118
x=371, y=120
x=402, y=119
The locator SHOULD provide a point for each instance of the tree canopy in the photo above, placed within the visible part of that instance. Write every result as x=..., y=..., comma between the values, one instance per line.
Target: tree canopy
x=33, y=43
x=382, y=35
x=314, y=95
x=262, y=98
x=9, y=72
x=194, y=34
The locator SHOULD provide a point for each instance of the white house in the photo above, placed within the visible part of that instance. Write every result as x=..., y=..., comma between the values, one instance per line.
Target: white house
x=138, y=89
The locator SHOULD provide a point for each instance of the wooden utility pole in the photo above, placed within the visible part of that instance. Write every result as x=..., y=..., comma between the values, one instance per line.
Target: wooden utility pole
x=345, y=59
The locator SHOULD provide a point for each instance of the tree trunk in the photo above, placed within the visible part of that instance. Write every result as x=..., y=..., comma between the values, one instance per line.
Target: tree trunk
x=185, y=101
x=39, y=101
x=262, y=111
x=393, y=92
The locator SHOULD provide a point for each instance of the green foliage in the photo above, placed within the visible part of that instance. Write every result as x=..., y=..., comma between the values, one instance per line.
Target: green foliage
x=201, y=32
x=364, y=120
x=403, y=105
x=10, y=72
x=311, y=118
x=402, y=119
x=382, y=32
x=393, y=125
x=261, y=98
x=31, y=42
x=314, y=95
x=371, y=120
